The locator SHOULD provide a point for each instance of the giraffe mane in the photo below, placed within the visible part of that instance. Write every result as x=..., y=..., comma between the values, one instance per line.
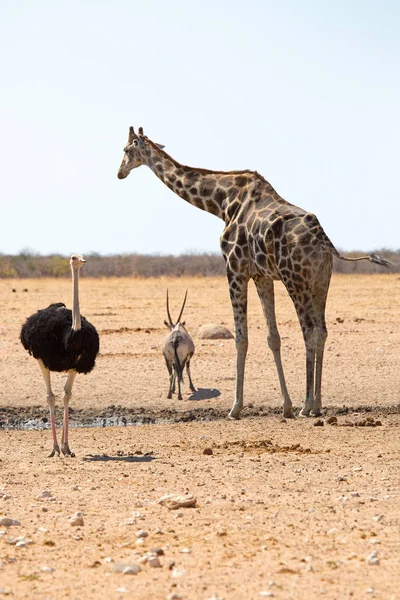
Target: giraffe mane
x=209, y=171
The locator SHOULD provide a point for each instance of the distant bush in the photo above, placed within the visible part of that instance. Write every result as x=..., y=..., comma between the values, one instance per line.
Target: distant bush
x=28, y=264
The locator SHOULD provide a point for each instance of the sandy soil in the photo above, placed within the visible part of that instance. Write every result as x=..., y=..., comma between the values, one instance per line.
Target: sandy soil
x=284, y=509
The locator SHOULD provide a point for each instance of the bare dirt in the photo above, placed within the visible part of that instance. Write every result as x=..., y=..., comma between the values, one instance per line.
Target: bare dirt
x=284, y=509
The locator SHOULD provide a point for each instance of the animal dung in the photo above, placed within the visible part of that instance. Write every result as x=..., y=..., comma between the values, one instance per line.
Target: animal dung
x=214, y=332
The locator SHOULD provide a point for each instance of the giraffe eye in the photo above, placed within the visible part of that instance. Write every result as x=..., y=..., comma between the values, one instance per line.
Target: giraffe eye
x=135, y=143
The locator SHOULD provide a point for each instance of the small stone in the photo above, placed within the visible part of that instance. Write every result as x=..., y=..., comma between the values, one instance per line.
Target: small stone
x=377, y=518
x=372, y=559
x=208, y=451
x=108, y=559
x=174, y=596
x=332, y=420
x=153, y=561
x=174, y=501
x=142, y=533
x=46, y=569
x=8, y=522
x=355, y=494
x=140, y=541
x=157, y=551
x=126, y=568
x=22, y=542
x=5, y=591
x=76, y=520
x=121, y=590
x=318, y=423
x=266, y=594
x=44, y=495
x=129, y=521
x=178, y=573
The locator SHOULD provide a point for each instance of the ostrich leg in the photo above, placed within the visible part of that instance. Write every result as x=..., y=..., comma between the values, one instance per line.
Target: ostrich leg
x=51, y=402
x=67, y=396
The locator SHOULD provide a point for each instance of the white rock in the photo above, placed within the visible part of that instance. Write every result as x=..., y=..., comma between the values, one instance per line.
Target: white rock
x=267, y=594
x=47, y=569
x=121, y=590
x=108, y=559
x=130, y=521
x=44, y=495
x=212, y=331
x=174, y=596
x=23, y=542
x=8, y=522
x=140, y=541
x=174, y=501
x=373, y=559
x=142, y=533
x=76, y=520
x=126, y=568
x=177, y=573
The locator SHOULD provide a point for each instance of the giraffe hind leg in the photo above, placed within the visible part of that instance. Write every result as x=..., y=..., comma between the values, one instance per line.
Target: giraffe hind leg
x=265, y=290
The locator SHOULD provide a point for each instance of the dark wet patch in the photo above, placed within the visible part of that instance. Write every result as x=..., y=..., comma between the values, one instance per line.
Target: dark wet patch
x=36, y=417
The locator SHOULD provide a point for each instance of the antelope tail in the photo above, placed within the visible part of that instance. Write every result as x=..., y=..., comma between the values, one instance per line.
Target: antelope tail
x=177, y=364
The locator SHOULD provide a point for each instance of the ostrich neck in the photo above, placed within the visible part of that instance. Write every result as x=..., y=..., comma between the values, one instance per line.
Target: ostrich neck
x=76, y=315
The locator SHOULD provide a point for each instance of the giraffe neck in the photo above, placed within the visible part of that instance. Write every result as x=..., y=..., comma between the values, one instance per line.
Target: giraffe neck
x=207, y=190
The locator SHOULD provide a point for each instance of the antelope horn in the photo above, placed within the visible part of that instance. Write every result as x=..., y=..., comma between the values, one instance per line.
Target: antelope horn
x=131, y=135
x=168, y=313
x=183, y=306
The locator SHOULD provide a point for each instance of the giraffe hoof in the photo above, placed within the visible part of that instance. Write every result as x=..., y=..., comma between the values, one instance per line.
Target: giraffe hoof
x=289, y=414
x=316, y=413
x=304, y=413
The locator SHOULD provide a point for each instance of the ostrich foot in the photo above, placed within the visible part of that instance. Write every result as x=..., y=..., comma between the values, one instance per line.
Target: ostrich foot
x=234, y=416
x=65, y=449
x=55, y=451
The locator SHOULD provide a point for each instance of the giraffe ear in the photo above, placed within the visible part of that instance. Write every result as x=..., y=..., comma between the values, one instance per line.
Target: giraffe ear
x=161, y=146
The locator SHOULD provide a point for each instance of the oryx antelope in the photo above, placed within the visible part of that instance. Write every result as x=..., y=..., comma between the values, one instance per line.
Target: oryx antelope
x=178, y=349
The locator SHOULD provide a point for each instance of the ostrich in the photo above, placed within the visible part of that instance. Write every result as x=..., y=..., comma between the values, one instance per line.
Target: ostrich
x=178, y=349
x=62, y=340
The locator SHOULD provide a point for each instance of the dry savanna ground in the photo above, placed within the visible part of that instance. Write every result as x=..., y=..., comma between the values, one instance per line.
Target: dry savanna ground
x=284, y=509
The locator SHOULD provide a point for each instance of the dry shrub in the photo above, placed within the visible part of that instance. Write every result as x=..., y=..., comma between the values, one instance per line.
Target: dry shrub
x=28, y=264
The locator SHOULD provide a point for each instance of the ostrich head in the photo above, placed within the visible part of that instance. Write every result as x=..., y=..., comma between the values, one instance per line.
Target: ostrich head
x=76, y=261
x=135, y=153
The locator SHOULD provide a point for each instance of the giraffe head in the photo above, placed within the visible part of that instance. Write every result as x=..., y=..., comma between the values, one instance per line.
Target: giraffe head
x=135, y=153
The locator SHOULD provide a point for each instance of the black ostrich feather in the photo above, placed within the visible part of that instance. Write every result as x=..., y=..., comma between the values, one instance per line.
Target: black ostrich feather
x=48, y=335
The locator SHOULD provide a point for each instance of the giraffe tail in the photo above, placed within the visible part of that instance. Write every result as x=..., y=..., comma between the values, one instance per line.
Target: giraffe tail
x=374, y=258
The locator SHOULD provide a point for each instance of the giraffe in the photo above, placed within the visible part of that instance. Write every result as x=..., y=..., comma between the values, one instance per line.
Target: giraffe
x=265, y=239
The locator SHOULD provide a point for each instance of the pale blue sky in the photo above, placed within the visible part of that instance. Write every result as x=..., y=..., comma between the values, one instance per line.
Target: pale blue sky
x=305, y=92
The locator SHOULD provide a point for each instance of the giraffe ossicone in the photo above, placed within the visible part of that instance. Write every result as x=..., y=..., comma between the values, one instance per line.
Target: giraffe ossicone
x=265, y=239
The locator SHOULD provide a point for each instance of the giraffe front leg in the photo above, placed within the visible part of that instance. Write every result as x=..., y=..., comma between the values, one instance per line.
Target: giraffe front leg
x=65, y=449
x=238, y=292
x=265, y=290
